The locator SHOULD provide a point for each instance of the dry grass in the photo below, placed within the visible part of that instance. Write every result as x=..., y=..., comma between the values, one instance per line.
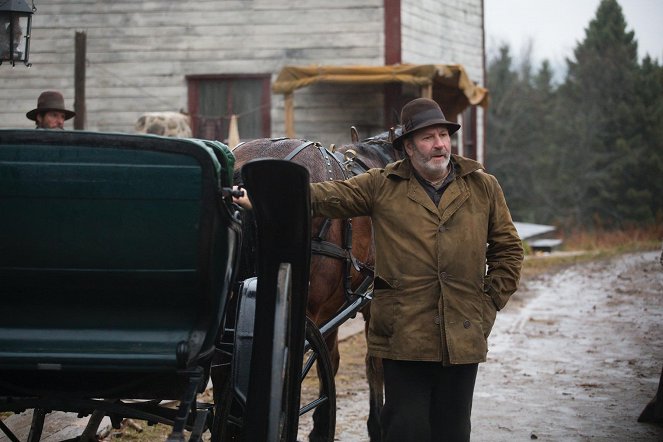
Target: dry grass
x=627, y=240
x=582, y=246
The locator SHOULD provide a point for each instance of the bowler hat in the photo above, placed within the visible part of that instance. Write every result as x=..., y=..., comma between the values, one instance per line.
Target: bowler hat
x=50, y=101
x=420, y=113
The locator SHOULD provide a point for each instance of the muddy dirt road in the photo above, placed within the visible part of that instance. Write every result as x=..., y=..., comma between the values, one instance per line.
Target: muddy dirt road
x=575, y=357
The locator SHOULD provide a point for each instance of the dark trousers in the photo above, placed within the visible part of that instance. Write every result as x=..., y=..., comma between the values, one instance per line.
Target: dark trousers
x=425, y=401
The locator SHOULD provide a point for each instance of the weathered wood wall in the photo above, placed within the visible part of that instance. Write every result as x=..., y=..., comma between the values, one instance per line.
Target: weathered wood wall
x=444, y=32
x=139, y=53
x=447, y=32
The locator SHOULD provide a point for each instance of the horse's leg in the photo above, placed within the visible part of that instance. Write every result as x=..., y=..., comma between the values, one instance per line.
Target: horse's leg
x=376, y=396
x=375, y=378
x=320, y=423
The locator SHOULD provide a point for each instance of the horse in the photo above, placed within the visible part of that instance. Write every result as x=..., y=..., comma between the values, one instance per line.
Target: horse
x=358, y=157
x=342, y=250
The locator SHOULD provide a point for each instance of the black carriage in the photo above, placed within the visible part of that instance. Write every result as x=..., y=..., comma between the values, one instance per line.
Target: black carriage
x=118, y=260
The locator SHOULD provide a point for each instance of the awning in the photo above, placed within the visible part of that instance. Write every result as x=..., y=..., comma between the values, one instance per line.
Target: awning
x=452, y=76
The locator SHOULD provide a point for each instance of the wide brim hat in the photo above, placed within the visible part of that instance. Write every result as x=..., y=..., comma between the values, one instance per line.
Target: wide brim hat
x=50, y=101
x=418, y=114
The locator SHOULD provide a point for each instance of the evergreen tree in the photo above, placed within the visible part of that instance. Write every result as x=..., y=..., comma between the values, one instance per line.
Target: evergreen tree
x=648, y=180
x=506, y=125
x=600, y=135
x=519, y=121
x=545, y=201
x=589, y=153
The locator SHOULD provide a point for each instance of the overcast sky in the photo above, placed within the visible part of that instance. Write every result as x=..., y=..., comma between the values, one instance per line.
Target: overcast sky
x=554, y=27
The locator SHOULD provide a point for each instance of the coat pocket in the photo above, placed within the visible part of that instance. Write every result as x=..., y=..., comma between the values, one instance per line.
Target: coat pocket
x=489, y=313
x=489, y=291
x=383, y=310
x=380, y=283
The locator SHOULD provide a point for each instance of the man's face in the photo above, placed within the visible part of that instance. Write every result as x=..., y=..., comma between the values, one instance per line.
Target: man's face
x=430, y=150
x=51, y=120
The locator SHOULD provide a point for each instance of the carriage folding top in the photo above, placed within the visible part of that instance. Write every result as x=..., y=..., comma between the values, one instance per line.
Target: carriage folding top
x=117, y=254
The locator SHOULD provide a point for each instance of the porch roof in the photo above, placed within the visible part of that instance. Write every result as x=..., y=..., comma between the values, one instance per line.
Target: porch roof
x=451, y=77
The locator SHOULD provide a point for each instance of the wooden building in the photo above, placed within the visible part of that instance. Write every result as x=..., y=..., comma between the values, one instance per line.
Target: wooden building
x=216, y=58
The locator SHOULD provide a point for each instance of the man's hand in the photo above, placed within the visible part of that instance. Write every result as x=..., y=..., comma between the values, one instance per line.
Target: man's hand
x=243, y=200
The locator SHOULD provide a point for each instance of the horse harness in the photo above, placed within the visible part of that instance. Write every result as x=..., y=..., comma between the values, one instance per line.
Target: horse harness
x=319, y=243
x=350, y=162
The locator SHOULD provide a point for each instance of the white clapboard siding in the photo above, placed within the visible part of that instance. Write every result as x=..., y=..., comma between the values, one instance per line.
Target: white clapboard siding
x=139, y=54
x=446, y=32
x=458, y=27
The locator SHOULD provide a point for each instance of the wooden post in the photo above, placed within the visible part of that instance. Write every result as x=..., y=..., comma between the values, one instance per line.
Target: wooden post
x=79, y=81
x=393, y=102
x=289, y=117
x=427, y=91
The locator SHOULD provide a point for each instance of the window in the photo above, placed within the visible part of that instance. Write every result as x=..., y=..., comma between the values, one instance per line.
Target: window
x=213, y=99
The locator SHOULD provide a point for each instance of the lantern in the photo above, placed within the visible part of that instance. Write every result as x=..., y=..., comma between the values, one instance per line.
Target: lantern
x=15, y=27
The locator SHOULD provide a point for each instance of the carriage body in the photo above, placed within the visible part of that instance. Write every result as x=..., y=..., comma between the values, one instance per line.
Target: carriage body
x=118, y=255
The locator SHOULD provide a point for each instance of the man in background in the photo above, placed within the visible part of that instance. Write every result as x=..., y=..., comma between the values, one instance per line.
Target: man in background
x=50, y=112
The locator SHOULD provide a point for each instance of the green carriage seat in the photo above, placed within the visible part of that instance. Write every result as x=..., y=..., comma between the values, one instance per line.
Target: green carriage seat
x=117, y=254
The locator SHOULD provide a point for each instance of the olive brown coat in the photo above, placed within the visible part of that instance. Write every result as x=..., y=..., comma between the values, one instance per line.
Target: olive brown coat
x=441, y=272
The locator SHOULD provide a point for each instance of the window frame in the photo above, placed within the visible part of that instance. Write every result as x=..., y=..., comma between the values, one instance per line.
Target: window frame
x=193, y=93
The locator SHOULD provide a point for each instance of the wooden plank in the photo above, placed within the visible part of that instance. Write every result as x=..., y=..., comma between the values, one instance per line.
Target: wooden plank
x=79, y=81
x=427, y=91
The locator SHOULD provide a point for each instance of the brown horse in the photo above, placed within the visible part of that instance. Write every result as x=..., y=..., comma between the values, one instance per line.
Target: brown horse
x=357, y=158
x=342, y=250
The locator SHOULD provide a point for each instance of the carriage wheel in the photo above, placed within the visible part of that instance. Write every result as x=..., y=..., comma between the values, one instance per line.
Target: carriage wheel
x=280, y=426
x=228, y=412
x=324, y=404
x=228, y=416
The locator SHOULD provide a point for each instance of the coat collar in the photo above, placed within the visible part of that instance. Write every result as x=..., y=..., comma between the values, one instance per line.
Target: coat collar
x=453, y=197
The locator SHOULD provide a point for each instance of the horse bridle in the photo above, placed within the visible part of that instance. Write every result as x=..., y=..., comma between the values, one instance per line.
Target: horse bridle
x=319, y=243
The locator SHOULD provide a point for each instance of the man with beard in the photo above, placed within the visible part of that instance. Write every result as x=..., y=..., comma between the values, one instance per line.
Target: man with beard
x=50, y=112
x=448, y=257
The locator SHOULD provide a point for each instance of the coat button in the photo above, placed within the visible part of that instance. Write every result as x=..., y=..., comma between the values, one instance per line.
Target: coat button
x=441, y=229
x=443, y=275
x=466, y=324
x=437, y=320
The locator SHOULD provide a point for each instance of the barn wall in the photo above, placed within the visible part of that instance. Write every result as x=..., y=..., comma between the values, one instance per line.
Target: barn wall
x=139, y=53
x=446, y=32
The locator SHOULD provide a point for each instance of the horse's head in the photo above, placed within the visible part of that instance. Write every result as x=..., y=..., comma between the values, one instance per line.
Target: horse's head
x=375, y=151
